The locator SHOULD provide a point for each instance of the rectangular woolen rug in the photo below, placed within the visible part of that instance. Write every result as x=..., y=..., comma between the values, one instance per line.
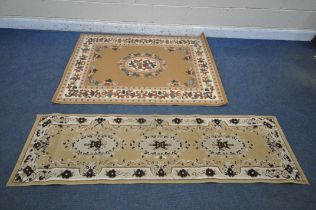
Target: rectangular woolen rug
x=146, y=70
x=90, y=149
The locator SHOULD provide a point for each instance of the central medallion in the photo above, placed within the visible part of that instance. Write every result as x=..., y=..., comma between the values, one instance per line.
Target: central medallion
x=99, y=144
x=224, y=145
x=142, y=65
x=159, y=145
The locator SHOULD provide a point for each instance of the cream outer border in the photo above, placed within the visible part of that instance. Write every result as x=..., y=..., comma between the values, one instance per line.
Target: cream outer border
x=10, y=182
x=209, y=55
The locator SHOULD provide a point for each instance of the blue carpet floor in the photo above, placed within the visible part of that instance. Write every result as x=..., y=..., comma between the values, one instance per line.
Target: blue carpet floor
x=260, y=77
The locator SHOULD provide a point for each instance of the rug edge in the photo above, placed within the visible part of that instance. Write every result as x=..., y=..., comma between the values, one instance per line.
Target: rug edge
x=66, y=69
x=289, y=148
x=177, y=181
x=218, y=76
x=24, y=149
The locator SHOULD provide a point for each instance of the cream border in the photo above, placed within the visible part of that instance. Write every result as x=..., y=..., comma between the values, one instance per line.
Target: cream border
x=39, y=116
x=219, y=81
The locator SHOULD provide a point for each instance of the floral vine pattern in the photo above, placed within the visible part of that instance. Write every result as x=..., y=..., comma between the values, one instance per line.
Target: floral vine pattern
x=73, y=88
x=109, y=148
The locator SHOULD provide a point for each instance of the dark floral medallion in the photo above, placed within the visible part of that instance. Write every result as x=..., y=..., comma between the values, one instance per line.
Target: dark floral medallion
x=159, y=121
x=234, y=121
x=100, y=120
x=225, y=145
x=183, y=173
x=111, y=173
x=139, y=173
x=89, y=173
x=161, y=173
x=199, y=120
x=66, y=174
x=217, y=121
x=141, y=120
x=177, y=120
x=230, y=172
x=209, y=172
x=160, y=145
x=82, y=120
x=100, y=144
x=252, y=173
x=142, y=65
x=118, y=120
x=28, y=171
x=40, y=145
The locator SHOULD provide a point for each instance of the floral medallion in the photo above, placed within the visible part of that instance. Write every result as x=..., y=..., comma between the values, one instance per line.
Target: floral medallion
x=77, y=149
x=142, y=65
x=95, y=145
x=225, y=145
x=160, y=145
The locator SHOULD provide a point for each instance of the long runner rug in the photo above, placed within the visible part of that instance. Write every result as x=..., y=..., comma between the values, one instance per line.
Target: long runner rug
x=82, y=149
x=147, y=70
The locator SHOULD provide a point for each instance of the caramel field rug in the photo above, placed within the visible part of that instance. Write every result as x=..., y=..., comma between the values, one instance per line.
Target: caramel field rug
x=91, y=149
x=145, y=70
